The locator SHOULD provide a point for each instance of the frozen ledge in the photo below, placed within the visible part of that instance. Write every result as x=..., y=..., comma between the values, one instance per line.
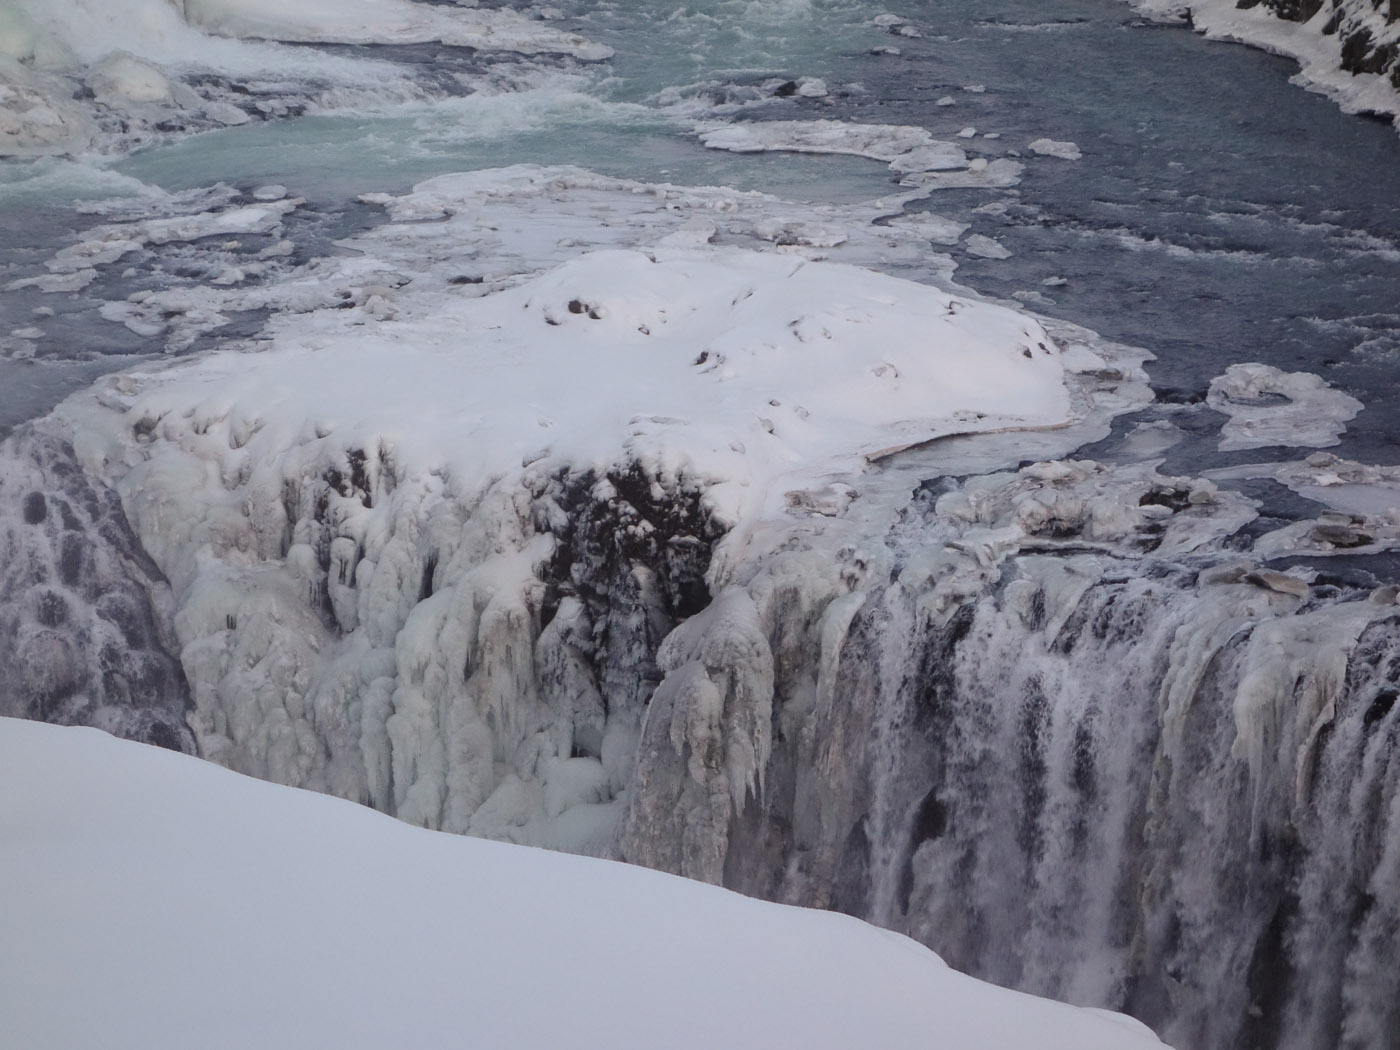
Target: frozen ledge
x=905, y=148
x=731, y=368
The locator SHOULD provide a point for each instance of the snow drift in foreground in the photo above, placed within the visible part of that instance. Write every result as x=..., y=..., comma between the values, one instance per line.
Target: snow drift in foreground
x=177, y=904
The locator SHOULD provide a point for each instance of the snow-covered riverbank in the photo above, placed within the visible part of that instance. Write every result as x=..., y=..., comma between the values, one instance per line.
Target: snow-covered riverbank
x=1347, y=49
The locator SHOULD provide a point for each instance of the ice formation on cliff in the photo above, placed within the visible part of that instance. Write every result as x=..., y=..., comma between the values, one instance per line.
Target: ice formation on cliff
x=702, y=632
x=378, y=595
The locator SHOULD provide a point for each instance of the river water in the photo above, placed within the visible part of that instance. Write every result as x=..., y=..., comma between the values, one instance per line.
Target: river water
x=1219, y=213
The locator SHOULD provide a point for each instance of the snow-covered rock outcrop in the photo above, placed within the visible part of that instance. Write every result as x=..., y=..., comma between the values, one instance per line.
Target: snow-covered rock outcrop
x=1349, y=49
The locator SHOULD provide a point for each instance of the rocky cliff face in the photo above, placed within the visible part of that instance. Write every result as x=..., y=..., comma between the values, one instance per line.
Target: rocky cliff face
x=1365, y=30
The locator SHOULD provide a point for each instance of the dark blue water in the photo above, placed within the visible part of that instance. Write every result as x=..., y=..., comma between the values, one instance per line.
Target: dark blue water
x=1219, y=214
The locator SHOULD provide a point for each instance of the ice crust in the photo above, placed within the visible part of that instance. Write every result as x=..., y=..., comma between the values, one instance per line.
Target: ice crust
x=261, y=916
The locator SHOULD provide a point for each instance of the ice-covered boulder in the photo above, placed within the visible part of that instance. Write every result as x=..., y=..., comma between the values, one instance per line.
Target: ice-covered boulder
x=36, y=115
x=123, y=77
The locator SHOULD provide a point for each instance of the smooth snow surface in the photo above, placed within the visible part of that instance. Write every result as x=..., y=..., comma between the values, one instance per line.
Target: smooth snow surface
x=712, y=365
x=154, y=901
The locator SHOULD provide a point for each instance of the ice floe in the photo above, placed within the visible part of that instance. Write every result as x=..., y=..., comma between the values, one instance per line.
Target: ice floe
x=1052, y=148
x=1268, y=406
x=1344, y=485
x=904, y=147
x=985, y=247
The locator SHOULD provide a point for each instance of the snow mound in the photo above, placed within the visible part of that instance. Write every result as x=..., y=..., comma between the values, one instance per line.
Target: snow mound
x=183, y=904
x=720, y=366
